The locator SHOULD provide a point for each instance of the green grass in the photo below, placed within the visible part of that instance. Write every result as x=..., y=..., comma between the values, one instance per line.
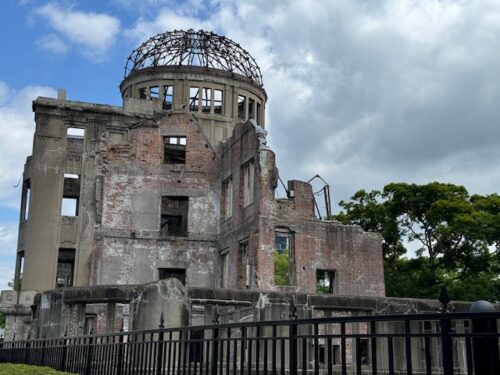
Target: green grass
x=12, y=369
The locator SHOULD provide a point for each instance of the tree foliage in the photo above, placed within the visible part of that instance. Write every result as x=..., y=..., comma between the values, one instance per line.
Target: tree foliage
x=456, y=237
x=282, y=267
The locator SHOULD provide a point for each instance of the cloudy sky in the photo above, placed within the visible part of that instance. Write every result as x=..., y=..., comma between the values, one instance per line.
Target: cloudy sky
x=363, y=92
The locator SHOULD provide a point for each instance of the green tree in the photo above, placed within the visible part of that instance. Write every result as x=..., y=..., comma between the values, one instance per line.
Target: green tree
x=457, y=237
x=281, y=267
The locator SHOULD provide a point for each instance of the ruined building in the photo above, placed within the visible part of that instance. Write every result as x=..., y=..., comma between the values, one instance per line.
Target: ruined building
x=178, y=183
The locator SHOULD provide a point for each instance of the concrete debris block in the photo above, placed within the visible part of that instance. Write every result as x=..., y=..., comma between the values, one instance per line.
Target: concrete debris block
x=164, y=296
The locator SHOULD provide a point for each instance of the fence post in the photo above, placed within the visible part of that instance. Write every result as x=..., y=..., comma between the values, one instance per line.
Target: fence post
x=119, y=359
x=44, y=341
x=215, y=350
x=27, y=346
x=88, y=366
x=159, y=358
x=64, y=351
x=446, y=347
x=292, y=342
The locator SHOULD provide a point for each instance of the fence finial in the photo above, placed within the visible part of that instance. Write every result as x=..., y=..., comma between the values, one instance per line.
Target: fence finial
x=445, y=299
x=162, y=320
x=293, y=309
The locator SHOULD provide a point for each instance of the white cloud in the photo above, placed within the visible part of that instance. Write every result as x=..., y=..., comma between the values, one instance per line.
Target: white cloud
x=165, y=20
x=17, y=127
x=8, y=238
x=52, y=43
x=93, y=33
x=369, y=92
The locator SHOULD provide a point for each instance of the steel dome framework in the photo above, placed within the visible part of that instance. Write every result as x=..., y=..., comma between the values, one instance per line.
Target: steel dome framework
x=194, y=48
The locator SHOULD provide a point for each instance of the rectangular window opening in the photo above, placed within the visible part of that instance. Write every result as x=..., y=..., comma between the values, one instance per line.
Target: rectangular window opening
x=207, y=100
x=65, y=268
x=18, y=277
x=227, y=199
x=224, y=270
x=194, y=99
x=248, y=183
x=251, y=108
x=325, y=281
x=172, y=273
x=218, y=101
x=283, y=258
x=75, y=133
x=25, y=200
x=174, y=216
x=154, y=92
x=175, y=150
x=168, y=98
x=71, y=195
x=143, y=93
x=241, y=107
x=243, y=266
x=258, y=118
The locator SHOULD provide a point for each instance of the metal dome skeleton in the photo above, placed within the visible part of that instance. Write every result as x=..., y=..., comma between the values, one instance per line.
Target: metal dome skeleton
x=194, y=48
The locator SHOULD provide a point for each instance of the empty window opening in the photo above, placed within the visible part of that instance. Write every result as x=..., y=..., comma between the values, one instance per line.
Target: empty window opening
x=143, y=93
x=217, y=101
x=283, y=244
x=194, y=99
x=227, y=199
x=325, y=281
x=65, y=268
x=175, y=150
x=207, y=100
x=25, y=199
x=71, y=195
x=243, y=269
x=154, y=92
x=74, y=141
x=248, y=183
x=168, y=98
x=242, y=102
x=172, y=273
x=18, y=277
x=90, y=324
x=258, y=118
x=75, y=133
x=174, y=216
x=224, y=265
x=251, y=108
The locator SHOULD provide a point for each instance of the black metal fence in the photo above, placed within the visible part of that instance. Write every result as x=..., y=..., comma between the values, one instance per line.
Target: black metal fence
x=456, y=343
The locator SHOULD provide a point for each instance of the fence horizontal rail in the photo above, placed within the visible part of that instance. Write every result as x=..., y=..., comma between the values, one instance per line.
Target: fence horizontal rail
x=449, y=343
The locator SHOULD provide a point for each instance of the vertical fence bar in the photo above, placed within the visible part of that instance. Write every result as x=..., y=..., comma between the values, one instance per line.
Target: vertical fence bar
x=64, y=353
x=119, y=357
x=428, y=364
x=373, y=331
x=446, y=347
x=215, y=350
x=390, y=355
x=408, y=347
x=316, y=349
x=292, y=343
x=88, y=365
x=159, y=355
x=343, y=351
